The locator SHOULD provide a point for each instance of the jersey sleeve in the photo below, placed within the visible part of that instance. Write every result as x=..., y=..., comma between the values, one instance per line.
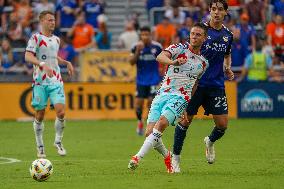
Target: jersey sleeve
x=174, y=50
x=229, y=49
x=32, y=44
x=205, y=65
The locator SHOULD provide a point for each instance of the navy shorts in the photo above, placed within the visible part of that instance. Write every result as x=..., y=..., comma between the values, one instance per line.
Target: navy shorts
x=144, y=91
x=213, y=100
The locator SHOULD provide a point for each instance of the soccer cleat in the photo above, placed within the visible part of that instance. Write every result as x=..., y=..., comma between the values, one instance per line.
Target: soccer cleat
x=60, y=149
x=210, y=152
x=139, y=129
x=175, y=163
x=168, y=162
x=40, y=152
x=133, y=163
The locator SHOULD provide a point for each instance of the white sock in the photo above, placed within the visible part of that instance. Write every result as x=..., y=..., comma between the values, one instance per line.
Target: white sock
x=38, y=130
x=160, y=147
x=150, y=142
x=59, y=126
x=176, y=158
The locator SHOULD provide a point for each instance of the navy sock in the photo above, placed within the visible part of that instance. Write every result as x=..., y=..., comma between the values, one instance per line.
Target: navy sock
x=139, y=113
x=180, y=134
x=216, y=134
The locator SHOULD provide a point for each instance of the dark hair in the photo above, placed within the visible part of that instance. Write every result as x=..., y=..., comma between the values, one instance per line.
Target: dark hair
x=223, y=2
x=202, y=26
x=43, y=13
x=145, y=28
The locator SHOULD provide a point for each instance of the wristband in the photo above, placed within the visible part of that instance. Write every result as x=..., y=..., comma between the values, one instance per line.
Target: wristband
x=41, y=64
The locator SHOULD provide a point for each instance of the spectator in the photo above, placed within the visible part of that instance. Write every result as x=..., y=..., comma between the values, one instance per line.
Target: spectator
x=247, y=34
x=82, y=33
x=153, y=3
x=67, y=52
x=184, y=31
x=43, y=5
x=65, y=13
x=238, y=53
x=23, y=12
x=129, y=37
x=192, y=3
x=15, y=32
x=256, y=12
x=6, y=56
x=279, y=7
x=165, y=33
x=234, y=2
x=92, y=9
x=103, y=37
x=275, y=33
x=175, y=15
x=258, y=66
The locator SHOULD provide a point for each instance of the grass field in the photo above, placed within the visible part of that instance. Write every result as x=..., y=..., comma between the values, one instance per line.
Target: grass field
x=250, y=155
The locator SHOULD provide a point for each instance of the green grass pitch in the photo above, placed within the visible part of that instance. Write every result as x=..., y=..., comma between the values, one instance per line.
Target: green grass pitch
x=250, y=155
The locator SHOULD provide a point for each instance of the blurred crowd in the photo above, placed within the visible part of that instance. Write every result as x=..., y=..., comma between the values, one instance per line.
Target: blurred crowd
x=257, y=26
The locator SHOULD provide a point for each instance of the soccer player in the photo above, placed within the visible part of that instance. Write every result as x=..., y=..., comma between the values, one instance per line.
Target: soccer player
x=186, y=66
x=41, y=51
x=210, y=92
x=144, y=54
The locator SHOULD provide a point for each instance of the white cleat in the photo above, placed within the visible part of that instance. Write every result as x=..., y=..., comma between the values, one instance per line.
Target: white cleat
x=175, y=163
x=210, y=152
x=60, y=149
x=133, y=163
x=41, y=152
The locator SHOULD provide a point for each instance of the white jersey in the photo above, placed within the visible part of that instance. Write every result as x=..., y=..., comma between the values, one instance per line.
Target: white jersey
x=179, y=80
x=45, y=49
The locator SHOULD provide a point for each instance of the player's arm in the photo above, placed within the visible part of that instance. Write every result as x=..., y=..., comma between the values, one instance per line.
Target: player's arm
x=68, y=64
x=165, y=58
x=135, y=55
x=227, y=67
x=30, y=57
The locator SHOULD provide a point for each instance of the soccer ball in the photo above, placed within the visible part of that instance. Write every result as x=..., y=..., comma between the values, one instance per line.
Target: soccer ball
x=41, y=169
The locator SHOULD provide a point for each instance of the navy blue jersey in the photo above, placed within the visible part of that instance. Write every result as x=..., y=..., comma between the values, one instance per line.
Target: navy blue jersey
x=214, y=49
x=147, y=66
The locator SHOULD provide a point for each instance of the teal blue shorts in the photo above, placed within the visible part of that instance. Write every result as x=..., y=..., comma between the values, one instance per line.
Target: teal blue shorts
x=170, y=106
x=41, y=93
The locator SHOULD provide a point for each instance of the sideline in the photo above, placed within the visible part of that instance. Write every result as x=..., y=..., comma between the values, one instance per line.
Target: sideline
x=9, y=160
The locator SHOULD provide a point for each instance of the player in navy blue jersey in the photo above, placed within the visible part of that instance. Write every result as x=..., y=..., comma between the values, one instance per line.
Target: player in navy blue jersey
x=144, y=54
x=210, y=92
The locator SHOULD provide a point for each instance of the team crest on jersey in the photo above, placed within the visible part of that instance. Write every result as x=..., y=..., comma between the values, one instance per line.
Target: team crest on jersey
x=225, y=38
x=153, y=51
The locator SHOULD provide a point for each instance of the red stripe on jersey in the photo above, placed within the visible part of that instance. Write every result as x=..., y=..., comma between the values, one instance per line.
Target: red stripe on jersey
x=42, y=42
x=35, y=38
x=43, y=77
x=168, y=81
x=182, y=56
x=167, y=90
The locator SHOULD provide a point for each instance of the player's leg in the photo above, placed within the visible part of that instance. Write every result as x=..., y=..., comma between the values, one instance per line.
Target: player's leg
x=57, y=98
x=182, y=127
x=139, y=102
x=39, y=102
x=153, y=117
x=217, y=106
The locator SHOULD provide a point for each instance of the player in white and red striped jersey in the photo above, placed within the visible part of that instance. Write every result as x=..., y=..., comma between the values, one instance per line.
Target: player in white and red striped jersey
x=41, y=51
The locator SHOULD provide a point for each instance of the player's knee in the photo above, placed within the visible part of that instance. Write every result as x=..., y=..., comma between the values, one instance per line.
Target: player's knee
x=39, y=116
x=60, y=114
x=222, y=124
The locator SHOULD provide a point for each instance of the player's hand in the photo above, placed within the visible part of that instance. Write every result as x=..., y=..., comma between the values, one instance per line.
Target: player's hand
x=139, y=46
x=229, y=74
x=70, y=68
x=47, y=70
x=179, y=61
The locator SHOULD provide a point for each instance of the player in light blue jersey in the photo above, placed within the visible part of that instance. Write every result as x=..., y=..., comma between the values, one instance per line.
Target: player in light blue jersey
x=186, y=66
x=210, y=93
x=42, y=52
x=144, y=54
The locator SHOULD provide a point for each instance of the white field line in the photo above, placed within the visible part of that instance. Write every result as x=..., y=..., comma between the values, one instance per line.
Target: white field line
x=8, y=160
